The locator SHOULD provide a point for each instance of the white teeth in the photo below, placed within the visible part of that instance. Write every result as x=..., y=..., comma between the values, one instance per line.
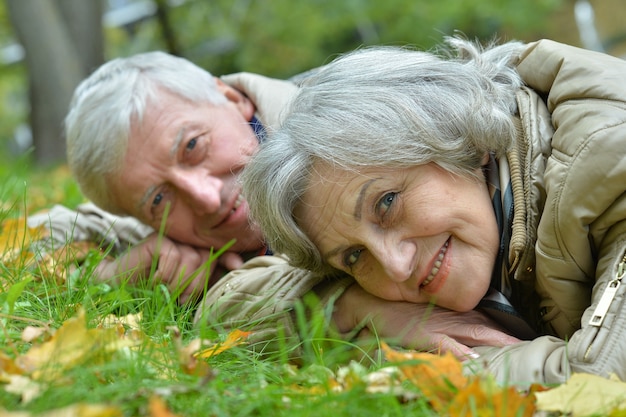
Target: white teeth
x=238, y=201
x=437, y=265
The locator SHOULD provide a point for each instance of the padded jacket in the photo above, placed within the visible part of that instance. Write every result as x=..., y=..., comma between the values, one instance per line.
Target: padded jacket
x=568, y=170
x=569, y=235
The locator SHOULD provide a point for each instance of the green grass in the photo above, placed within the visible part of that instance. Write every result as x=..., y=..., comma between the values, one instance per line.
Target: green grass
x=237, y=382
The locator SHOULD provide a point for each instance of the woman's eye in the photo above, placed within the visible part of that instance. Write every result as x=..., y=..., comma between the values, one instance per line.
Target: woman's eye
x=352, y=257
x=385, y=203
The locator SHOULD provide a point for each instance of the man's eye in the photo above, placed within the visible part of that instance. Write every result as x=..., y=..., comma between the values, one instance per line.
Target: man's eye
x=157, y=200
x=385, y=203
x=191, y=144
x=352, y=257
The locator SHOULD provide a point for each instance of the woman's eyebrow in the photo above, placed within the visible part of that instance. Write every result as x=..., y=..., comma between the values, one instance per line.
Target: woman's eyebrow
x=146, y=196
x=358, y=207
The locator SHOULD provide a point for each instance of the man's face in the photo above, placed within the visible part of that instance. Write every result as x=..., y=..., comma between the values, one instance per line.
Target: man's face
x=187, y=156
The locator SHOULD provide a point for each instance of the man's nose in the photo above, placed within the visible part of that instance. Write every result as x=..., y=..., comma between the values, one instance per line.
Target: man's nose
x=203, y=193
x=397, y=260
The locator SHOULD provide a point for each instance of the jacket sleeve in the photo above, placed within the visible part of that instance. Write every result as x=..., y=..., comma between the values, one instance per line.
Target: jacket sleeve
x=598, y=347
x=87, y=223
x=261, y=296
x=585, y=173
x=582, y=233
x=270, y=96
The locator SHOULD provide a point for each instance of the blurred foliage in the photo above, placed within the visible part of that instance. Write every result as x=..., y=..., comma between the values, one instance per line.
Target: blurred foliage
x=281, y=38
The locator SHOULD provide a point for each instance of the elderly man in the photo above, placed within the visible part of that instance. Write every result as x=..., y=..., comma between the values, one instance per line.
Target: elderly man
x=161, y=141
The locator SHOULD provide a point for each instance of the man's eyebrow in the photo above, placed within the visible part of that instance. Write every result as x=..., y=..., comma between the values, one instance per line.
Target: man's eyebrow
x=358, y=206
x=173, y=151
x=177, y=142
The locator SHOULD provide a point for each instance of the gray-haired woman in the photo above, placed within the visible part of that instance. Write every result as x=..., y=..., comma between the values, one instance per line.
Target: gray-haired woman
x=491, y=179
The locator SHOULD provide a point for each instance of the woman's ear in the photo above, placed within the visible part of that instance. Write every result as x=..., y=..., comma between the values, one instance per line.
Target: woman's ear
x=241, y=101
x=485, y=160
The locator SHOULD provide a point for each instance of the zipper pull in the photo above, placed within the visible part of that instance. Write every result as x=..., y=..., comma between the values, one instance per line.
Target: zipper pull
x=607, y=296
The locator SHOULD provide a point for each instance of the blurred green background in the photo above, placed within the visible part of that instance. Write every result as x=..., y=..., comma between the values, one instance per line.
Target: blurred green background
x=283, y=37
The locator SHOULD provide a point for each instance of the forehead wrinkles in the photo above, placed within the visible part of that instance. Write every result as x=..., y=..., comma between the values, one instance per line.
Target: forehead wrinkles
x=327, y=207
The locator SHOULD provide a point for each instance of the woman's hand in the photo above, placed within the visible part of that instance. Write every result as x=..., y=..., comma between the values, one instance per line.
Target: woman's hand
x=418, y=326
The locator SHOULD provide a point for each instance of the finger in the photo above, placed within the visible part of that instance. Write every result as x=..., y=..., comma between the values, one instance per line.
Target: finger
x=231, y=260
x=479, y=335
x=444, y=344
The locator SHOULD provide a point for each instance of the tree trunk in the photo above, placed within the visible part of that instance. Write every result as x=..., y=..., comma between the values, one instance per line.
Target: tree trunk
x=63, y=43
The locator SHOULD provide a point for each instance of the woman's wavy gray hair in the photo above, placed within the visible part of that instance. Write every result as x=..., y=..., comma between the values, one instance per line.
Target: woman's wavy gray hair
x=384, y=107
x=106, y=103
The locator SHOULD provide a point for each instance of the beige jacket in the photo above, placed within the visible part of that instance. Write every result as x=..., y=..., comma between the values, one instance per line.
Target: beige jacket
x=569, y=237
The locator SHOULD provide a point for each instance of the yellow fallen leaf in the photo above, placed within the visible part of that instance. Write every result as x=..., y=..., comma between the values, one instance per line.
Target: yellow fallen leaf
x=75, y=410
x=235, y=338
x=23, y=386
x=59, y=265
x=158, y=408
x=438, y=377
x=72, y=344
x=15, y=236
x=483, y=397
x=584, y=395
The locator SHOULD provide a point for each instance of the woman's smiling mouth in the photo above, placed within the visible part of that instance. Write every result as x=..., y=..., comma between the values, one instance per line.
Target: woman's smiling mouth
x=437, y=265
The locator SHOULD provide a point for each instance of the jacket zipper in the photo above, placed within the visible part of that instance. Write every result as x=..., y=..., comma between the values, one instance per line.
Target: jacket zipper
x=607, y=296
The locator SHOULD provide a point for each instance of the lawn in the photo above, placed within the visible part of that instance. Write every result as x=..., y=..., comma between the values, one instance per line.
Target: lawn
x=73, y=347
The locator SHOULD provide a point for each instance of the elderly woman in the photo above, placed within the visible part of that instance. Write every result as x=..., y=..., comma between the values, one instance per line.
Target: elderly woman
x=491, y=178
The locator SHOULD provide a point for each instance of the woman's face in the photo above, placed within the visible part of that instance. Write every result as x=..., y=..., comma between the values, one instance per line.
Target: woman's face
x=419, y=234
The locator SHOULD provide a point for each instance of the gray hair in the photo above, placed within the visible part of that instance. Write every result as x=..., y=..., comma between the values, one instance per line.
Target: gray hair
x=383, y=107
x=106, y=103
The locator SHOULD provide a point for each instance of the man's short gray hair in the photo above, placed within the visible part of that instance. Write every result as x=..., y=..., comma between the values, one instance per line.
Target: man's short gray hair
x=106, y=103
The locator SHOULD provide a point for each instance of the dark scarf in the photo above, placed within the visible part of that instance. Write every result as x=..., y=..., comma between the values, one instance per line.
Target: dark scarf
x=496, y=303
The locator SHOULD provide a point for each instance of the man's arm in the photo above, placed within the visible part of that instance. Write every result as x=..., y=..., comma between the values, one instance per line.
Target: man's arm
x=132, y=248
x=88, y=223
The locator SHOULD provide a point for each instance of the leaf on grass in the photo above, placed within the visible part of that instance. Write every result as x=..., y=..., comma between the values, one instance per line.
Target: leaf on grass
x=71, y=345
x=158, y=408
x=59, y=265
x=23, y=386
x=235, y=338
x=75, y=410
x=483, y=397
x=583, y=395
x=30, y=333
x=16, y=235
x=438, y=377
x=8, y=366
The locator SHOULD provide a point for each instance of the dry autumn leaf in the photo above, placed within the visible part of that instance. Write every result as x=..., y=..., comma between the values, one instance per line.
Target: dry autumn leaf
x=75, y=410
x=583, y=395
x=438, y=377
x=72, y=344
x=158, y=408
x=484, y=398
x=16, y=235
x=235, y=338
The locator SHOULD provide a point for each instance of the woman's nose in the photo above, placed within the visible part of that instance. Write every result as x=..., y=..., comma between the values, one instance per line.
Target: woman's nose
x=397, y=261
